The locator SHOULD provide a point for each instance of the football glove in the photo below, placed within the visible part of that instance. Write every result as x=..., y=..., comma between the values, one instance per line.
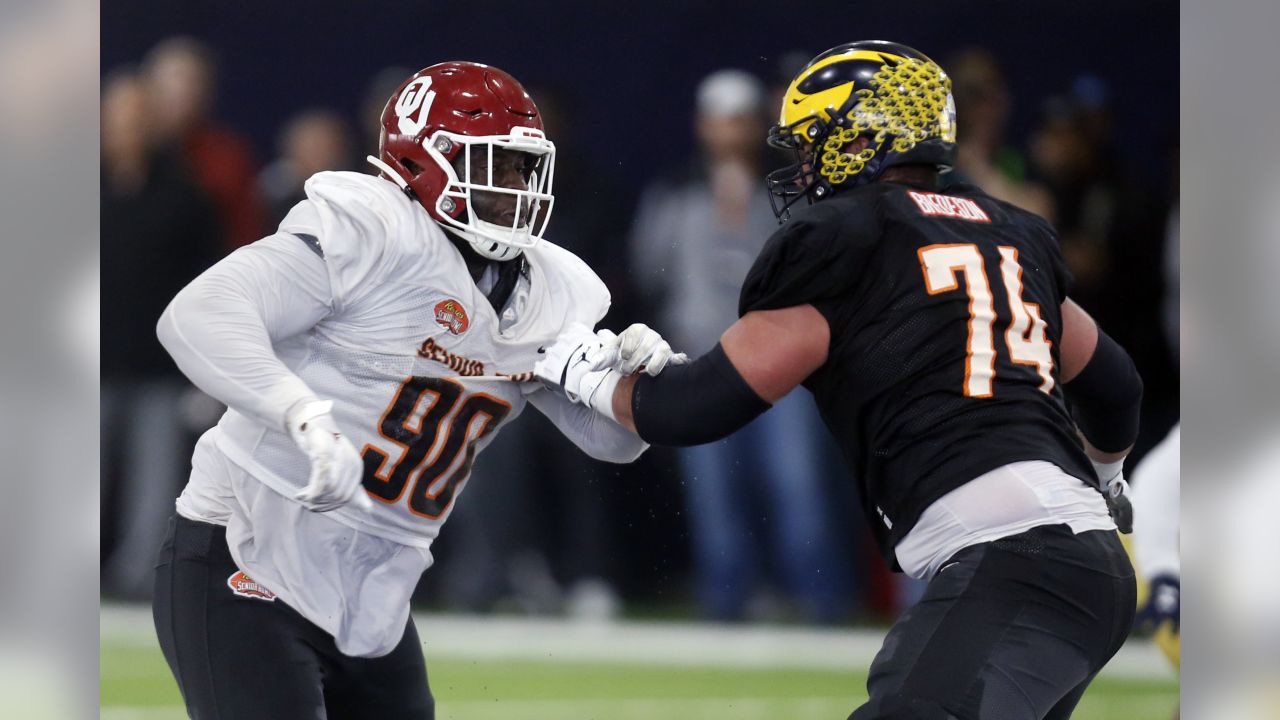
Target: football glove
x=578, y=362
x=640, y=347
x=336, y=467
x=1116, y=492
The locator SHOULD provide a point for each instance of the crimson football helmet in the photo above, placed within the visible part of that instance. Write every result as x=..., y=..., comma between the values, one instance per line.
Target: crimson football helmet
x=448, y=132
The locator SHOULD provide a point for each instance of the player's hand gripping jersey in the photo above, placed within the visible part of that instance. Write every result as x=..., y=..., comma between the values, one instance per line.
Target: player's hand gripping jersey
x=368, y=304
x=945, y=320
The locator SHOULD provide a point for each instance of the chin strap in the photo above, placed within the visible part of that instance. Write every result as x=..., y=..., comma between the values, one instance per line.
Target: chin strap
x=391, y=174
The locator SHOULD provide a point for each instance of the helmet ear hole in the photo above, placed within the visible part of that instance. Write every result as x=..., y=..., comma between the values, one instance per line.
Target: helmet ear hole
x=414, y=168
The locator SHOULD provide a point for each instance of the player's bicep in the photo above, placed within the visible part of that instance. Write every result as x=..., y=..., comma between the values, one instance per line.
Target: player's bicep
x=1079, y=339
x=775, y=350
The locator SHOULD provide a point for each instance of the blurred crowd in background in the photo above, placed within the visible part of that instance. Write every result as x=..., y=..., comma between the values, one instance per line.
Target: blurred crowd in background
x=761, y=526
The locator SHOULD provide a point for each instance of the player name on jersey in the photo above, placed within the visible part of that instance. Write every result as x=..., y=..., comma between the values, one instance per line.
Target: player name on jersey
x=936, y=205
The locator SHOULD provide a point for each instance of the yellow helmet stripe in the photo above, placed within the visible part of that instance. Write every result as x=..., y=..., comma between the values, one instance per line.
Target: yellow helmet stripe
x=797, y=105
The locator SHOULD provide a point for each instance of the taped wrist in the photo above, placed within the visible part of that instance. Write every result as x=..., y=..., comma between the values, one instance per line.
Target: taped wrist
x=1106, y=397
x=598, y=389
x=694, y=404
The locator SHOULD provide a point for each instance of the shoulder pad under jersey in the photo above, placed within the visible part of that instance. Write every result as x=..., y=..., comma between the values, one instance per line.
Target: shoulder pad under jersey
x=365, y=227
x=574, y=288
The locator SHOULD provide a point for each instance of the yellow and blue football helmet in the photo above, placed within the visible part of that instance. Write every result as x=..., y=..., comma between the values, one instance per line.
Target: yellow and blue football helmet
x=889, y=93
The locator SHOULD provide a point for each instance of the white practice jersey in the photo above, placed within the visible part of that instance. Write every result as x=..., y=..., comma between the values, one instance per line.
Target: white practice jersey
x=408, y=327
x=399, y=332
x=1156, y=501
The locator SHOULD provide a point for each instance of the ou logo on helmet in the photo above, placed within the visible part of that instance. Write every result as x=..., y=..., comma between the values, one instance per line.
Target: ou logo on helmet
x=414, y=104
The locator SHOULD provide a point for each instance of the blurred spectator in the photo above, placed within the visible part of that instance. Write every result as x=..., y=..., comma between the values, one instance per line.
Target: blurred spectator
x=1114, y=231
x=382, y=86
x=312, y=141
x=1172, y=302
x=982, y=155
x=183, y=79
x=1084, y=183
x=693, y=240
x=1092, y=101
x=158, y=232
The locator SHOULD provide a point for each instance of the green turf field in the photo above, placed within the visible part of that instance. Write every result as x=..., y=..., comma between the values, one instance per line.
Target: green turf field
x=136, y=685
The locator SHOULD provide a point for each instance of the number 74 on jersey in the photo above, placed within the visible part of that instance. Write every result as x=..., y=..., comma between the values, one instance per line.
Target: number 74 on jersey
x=1025, y=336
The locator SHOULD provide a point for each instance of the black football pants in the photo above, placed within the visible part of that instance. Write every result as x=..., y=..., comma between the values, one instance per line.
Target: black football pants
x=1013, y=629
x=239, y=657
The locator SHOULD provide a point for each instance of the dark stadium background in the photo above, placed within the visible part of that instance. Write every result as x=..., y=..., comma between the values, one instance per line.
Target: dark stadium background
x=632, y=67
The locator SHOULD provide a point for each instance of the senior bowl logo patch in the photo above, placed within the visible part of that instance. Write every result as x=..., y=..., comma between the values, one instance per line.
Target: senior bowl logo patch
x=245, y=586
x=451, y=315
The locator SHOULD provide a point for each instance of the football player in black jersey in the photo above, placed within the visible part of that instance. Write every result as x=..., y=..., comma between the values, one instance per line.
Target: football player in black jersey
x=983, y=414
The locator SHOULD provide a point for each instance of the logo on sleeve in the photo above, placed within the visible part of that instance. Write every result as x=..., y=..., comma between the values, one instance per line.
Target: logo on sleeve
x=935, y=205
x=451, y=315
x=245, y=586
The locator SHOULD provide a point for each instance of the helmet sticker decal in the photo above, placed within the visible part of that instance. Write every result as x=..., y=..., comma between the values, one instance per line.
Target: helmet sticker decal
x=414, y=105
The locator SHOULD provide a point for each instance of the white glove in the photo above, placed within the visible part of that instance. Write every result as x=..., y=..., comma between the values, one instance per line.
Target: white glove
x=580, y=365
x=336, y=467
x=641, y=347
x=1116, y=492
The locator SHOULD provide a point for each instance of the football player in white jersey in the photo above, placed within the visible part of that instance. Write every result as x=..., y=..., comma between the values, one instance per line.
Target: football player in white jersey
x=367, y=352
x=1156, y=540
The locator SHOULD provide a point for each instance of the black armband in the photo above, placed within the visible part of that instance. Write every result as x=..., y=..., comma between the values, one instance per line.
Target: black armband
x=694, y=404
x=1106, y=397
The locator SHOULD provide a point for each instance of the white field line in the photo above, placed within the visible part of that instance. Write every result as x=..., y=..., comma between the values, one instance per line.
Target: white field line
x=661, y=643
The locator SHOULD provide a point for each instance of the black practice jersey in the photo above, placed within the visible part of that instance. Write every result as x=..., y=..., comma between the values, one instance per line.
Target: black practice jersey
x=945, y=316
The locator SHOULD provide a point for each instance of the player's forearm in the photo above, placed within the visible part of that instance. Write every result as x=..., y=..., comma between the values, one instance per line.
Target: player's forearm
x=622, y=393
